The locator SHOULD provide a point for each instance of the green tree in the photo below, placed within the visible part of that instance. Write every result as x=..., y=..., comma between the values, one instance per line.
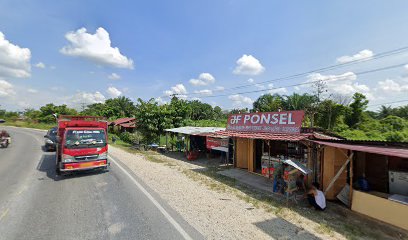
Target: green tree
x=47, y=111
x=385, y=111
x=96, y=109
x=237, y=110
x=119, y=107
x=329, y=114
x=152, y=119
x=354, y=115
x=218, y=114
x=402, y=112
x=268, y=103
x=393, y=123
x=200, y=111
x=179, y=110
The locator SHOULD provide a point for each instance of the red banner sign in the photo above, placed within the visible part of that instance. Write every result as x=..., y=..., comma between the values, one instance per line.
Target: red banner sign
x=272, y=122
x=216, y=142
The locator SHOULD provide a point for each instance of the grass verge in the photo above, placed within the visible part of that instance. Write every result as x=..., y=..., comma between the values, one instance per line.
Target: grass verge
x=44, y=126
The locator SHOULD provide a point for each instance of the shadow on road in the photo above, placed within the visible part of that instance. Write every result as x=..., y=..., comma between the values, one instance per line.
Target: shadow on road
x=47, y=165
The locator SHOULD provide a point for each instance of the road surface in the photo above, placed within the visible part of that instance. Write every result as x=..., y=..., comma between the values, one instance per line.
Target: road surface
x=36, y=204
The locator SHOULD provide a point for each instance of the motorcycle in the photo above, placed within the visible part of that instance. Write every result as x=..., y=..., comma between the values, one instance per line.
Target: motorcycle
x=4, y=142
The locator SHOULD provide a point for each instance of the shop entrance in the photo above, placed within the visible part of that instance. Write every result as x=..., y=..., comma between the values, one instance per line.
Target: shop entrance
x=242, y=153
x=258, y=155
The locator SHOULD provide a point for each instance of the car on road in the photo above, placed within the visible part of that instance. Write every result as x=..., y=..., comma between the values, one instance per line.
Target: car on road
x=2, y=121
x=51, y=139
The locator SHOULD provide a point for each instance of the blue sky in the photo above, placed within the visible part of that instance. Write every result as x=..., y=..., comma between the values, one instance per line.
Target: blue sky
x=162, y=45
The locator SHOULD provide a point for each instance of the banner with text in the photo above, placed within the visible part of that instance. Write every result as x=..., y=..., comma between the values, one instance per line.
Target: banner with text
x=216, y=142
x=272, y=122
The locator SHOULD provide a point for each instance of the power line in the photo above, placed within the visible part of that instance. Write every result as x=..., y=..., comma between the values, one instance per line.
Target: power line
x=372, y=105
x=332, y=67
x=338, y=78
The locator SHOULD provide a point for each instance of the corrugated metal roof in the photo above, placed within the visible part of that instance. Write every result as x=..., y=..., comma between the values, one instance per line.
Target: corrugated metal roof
x=266, y=136
x=123, y=120
x=387, y=151
x=128, y=125
x=195, y=130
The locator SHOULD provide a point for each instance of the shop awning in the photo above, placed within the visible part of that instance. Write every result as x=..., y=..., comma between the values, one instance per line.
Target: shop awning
x=194, y=130
x=297, y=165
x=222, y=149
x=265, y=136
x=387, y=151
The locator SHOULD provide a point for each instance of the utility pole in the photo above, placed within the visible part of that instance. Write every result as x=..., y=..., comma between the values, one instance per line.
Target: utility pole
x=83, y=105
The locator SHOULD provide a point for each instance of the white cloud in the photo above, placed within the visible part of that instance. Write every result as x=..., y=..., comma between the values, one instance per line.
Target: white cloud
x=40, y=65
x=363, y=54
x=329, y=78
x=160, y=101
x=343, y=84
x=248, y=65
x=203, y=79
x=96, y=48
x=205, y=92
x=30, y=90
x=14, y=60
x=219, y=89
x=406, y=67
x=240, y=101
x=251, y=80
x=88, y=98
x=390, y=86
x=53, y=67
x=114, y=76
x=6, y=89
x=113, y=92
x=280, y=90
x=179, y=90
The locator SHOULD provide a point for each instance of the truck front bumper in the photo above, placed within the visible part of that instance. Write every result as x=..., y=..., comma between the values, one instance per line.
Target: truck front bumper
x=79, y=166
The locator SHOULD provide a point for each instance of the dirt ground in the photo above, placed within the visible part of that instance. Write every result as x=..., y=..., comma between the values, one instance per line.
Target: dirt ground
x=222, y=208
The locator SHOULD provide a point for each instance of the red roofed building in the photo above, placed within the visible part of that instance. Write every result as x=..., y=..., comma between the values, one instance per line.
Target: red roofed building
x=123, y=124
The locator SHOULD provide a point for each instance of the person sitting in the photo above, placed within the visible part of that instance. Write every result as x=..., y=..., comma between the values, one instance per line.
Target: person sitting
x=316, y=197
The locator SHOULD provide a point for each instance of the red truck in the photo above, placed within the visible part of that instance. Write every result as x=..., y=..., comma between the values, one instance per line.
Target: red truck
x=82, y=144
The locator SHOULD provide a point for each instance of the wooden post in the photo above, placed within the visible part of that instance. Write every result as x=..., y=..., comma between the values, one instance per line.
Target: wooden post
x=166, y=141
x=338, y=173
x=351, y=179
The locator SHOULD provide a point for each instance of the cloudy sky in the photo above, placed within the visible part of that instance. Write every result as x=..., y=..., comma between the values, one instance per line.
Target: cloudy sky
x=226, y=53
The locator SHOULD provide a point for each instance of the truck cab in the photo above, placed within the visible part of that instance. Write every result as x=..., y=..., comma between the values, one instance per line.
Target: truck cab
x=82, y=144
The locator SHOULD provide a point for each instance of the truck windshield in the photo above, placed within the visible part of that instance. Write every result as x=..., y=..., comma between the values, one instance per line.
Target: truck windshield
x=85, y=138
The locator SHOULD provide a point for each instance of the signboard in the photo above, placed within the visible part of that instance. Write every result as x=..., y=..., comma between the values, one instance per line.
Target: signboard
x=270, y=122
x=216, y=142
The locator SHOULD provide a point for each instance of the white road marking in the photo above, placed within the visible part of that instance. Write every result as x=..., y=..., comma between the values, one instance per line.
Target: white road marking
x=4, y=214
x=154, y=201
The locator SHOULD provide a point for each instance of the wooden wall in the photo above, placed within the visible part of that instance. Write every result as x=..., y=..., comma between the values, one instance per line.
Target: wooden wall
x=333, y=160
x=380, y=208
x=245, y=154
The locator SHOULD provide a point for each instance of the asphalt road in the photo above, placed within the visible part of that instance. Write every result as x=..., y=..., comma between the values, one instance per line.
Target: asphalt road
x=36, y=204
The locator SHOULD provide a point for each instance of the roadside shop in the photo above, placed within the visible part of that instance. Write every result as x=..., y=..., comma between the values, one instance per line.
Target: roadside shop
x=196, y=141
x=369, y=177
x=275, y=145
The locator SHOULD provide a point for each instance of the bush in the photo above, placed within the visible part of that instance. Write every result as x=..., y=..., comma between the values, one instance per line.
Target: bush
x=130, y=138
x=394, y=136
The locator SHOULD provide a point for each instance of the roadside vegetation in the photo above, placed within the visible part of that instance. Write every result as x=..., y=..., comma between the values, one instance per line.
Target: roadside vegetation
x=344, y=116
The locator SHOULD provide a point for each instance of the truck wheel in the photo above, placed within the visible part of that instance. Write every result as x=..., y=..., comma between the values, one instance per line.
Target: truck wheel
x=58, y=171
